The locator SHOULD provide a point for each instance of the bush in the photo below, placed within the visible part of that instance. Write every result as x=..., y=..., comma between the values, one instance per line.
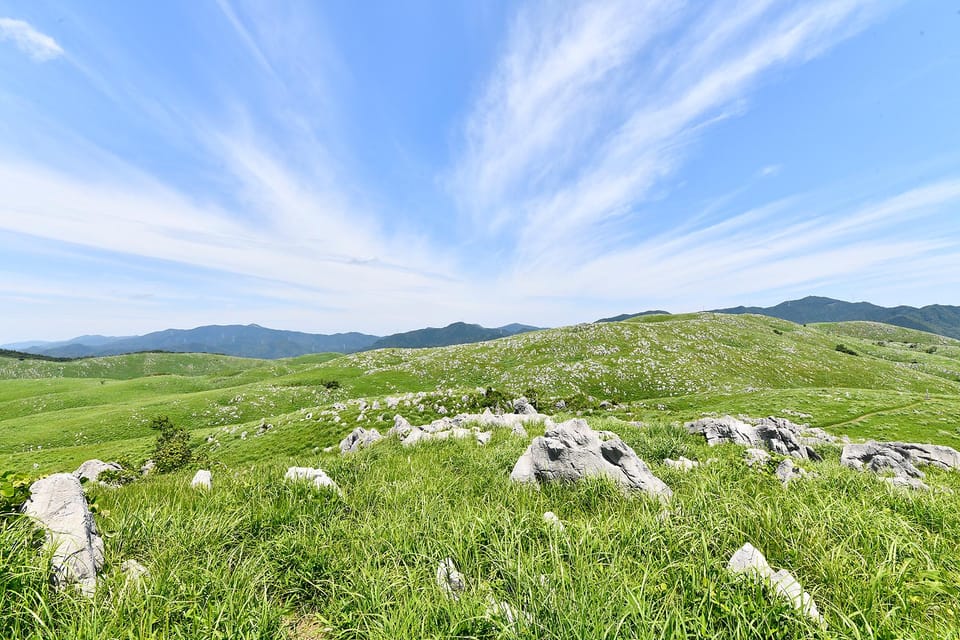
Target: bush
x=172, y=450
x=932, y=349
x=330, y=384
x=845, y=349
x=118, y=478
x=14, y=491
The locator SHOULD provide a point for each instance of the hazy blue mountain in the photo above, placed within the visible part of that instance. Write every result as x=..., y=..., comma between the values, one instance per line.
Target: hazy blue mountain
x=627, y=316
x=456, y=333
x=254, y=341
x=941, y=319
x=251, y=341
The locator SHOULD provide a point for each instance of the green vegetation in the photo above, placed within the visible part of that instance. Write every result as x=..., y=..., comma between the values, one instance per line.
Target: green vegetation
x=258, y=557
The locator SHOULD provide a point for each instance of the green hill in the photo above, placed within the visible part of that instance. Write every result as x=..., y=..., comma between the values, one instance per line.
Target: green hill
x=261, y=558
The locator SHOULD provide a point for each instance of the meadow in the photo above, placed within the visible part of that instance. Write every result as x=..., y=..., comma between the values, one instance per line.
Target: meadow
x=257, y=557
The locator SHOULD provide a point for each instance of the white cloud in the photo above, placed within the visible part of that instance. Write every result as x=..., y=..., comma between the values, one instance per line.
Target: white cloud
x=590, y=108
x=38, y=46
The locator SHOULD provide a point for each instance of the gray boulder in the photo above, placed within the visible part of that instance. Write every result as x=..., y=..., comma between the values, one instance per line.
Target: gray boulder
x=91, y=469
x=57, y=502
x=401, y=428
x=681, y=464
x=359, y=438
x=750, y=562
x=572, y=450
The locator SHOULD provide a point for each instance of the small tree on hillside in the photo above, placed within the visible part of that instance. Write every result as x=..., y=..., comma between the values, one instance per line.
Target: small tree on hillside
x=172, y=450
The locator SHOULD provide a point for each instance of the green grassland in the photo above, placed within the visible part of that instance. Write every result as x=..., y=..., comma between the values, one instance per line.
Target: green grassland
x=260, y=558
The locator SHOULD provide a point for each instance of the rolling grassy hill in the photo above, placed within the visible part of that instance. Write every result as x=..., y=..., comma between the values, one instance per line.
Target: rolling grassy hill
x=260, y=558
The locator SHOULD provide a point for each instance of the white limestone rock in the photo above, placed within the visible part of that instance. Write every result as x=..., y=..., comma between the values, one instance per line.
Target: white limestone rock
x=572, y=450
x=202, y=479
x=57, y=502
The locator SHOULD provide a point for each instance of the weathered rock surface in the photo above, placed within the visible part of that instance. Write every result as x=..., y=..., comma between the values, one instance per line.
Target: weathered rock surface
x=57, y=502
x=756, y=457
x=572, y=450
x=91, y=469
x=202, y=479
x=900, y=460
x=787, y=472
x=776, y=434
x=749, y=561
x=318, y=477
x=359, y=438
x=449, y=579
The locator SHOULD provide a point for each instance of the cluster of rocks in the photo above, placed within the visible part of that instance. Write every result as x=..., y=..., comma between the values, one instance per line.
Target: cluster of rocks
x=450, y=427
x=452, y=583
x=572, y=450
x=778, y=435
x=900, y=460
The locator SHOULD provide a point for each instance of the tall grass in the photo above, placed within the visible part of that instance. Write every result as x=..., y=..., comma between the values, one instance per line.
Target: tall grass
x=257, y=557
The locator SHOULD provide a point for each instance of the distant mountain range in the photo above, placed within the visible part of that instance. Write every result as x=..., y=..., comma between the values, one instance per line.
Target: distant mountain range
x=254, y=341
x=935, y=318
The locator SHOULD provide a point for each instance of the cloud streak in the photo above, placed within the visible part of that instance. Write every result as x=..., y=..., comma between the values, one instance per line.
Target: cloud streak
x=39, y=46
x=590, y=111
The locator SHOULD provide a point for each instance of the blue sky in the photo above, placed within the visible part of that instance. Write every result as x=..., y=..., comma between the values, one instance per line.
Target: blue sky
x=385, y=166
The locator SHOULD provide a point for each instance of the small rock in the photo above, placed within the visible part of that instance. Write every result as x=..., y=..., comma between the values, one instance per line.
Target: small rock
x=359, y=438
x=318, y=477
x=133, y=570
x=551, y=519
x=756, y=457
x=519, y=431
x=91, y=469
x=787, y=471
x=202, y=479
x=683, y=464
x=483, y=437
x=147, y=467
x=749, y=561
x=449, y=579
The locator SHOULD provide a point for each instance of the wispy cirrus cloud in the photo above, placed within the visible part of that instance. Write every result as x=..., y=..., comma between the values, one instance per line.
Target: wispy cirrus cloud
x=592, y=106
x=39, y=46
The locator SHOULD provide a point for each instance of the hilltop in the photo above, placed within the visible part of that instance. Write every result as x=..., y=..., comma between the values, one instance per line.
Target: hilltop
x=260, y=557
x=941, y=319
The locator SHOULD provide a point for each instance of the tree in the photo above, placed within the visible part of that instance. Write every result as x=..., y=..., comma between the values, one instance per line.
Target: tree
x=172, y=450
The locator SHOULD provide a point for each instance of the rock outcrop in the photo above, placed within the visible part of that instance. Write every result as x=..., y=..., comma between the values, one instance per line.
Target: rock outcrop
x=788, y=472
x=57, y=502
x=775, y=434
x=900, y=459
x=91, y=469
x=749, y=561
x=572, y=450
x=359, y=438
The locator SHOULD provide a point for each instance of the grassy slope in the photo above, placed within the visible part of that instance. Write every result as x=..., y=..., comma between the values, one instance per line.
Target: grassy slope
x=258, y=558
x=657, y=367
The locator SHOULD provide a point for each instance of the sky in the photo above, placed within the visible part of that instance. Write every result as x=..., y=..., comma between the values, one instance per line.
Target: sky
x=388, y=165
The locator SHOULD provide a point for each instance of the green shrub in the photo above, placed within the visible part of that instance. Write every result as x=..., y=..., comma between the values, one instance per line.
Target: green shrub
x=172, y=450
x=845, y=349
x=14, y=491
x=330, y=384
x=118, y=478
